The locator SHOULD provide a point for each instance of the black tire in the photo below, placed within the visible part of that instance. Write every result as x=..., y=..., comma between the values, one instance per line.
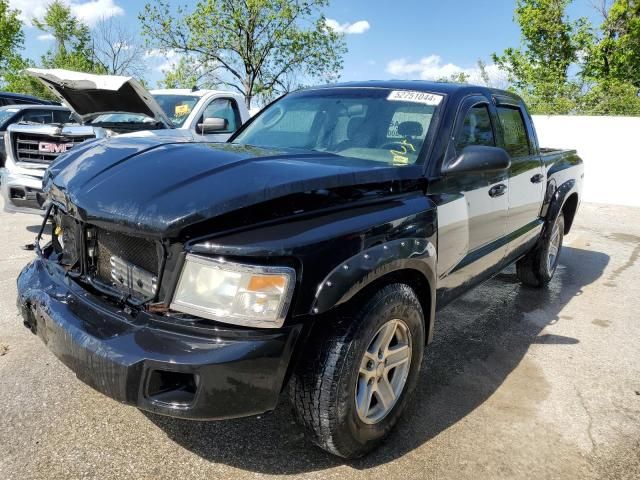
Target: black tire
x=534, y=269
x=323, y=386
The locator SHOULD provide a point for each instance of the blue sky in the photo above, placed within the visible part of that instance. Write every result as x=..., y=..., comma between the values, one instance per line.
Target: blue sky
x=386, y=39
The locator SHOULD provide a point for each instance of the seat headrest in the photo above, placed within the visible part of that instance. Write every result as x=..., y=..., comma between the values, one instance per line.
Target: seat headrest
x=410, y=129
x=354, y=127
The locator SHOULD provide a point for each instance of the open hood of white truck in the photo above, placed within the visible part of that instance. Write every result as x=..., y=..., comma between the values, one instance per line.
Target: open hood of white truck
x=91, y=95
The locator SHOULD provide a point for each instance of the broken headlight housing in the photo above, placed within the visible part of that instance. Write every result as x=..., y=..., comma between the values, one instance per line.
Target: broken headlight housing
x=247, y=295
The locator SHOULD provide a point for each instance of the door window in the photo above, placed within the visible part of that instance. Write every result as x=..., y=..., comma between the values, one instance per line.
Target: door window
x=516, y=141
x=223, y=108
x=476, y=128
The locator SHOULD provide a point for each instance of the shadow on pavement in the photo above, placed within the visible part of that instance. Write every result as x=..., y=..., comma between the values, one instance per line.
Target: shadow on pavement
x=479, y=340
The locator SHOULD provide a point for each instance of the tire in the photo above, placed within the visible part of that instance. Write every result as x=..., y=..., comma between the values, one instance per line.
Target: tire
x=325, y=383
x=536, y=268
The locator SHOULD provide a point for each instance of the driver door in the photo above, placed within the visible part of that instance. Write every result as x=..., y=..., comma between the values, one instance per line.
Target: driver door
x=226, y=108
x=472, y=215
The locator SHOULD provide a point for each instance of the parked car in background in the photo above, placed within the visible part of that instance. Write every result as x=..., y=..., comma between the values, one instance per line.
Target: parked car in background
x=313, y=249
x=9, y=98
x=32, y=115
x=105, y=106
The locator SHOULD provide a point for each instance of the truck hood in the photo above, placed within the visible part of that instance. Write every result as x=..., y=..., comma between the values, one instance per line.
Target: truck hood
x=144, y=186
x=91, y=95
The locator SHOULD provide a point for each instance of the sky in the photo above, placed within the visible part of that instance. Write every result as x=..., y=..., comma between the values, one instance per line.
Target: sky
x=417, y=39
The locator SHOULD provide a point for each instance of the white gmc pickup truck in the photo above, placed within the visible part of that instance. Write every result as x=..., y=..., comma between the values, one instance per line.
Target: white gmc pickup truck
x=108, y=105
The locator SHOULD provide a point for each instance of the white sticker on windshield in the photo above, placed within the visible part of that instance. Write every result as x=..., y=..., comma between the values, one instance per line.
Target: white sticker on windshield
x=416, y=97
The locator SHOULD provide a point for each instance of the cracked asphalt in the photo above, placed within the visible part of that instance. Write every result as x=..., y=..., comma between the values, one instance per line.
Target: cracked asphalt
x=518, y=383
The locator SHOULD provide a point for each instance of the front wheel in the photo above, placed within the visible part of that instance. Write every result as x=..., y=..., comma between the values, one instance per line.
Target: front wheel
x=536, y=268
x=353, y=383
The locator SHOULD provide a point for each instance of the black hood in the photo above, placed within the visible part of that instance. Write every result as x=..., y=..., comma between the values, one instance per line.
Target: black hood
x=155, y=188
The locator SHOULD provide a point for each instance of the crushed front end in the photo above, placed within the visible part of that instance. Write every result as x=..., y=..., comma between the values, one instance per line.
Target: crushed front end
x=95, y=296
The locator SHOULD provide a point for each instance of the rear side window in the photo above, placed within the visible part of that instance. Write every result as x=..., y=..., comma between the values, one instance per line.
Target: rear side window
x=516, y=141
x=476, y=128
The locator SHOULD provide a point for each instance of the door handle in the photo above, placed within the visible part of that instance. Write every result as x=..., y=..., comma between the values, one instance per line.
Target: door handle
x=537, y=178
x=497, y=190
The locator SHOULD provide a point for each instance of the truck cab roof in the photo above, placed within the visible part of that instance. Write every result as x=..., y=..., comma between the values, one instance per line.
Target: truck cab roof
x=444, y=88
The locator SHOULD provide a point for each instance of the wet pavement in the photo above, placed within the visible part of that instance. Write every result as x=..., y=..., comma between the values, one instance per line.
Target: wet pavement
x=518, y=383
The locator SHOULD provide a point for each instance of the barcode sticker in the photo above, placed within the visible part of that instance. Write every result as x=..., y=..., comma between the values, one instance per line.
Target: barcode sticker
x=415, y=97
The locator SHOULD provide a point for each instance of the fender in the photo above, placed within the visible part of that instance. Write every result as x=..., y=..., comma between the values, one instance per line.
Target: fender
x=558, y=200
x=359, y=271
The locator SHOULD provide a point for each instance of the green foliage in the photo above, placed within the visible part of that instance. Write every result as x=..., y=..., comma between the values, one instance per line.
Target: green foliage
x=539, y=71
x=611, y=97
x=15, y=80
x=11, y=35
x=73, y=49
x=256, y=46
x=612, y=63
x=616, y=54
x=188, y=73
x=460, y=77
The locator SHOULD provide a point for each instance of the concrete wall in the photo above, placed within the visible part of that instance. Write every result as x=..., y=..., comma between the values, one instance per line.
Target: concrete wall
x=610, y=148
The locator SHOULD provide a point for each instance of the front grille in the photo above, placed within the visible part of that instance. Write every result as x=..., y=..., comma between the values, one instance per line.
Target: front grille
x=44, y=148
x=115, y=247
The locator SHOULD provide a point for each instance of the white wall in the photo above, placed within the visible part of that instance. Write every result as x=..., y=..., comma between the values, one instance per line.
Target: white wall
x=610, y=148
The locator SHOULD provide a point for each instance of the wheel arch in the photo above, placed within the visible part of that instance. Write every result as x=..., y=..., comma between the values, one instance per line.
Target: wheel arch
x=569, y=209
x=408, y=261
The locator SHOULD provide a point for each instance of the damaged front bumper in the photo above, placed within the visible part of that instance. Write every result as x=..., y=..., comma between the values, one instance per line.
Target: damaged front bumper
x=156, y=363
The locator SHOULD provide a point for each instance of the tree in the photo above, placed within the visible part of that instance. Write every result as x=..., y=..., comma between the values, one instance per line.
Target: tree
x=11, y=35
x=117, y=50
x=615, y=55
x=539, y=70
x=459, y=77
x=188, y=72
x=256, y=44
x=484, y=74
x=73, y=49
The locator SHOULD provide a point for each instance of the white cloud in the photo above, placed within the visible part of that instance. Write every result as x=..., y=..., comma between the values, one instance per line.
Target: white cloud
x=45, y=37
x=93, y=11
x=432, y=68
x=90, y=12
x=163, y=60
x=360, y=26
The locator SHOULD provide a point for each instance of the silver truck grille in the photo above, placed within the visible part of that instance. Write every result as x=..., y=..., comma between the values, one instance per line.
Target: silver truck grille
x=43, y=148
x=129, y=277
x=128, y=263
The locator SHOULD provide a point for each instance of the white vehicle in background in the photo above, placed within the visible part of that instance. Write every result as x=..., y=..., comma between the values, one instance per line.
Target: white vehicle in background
x=109, y=105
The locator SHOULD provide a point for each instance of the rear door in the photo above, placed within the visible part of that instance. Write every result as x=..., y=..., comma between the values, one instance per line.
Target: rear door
x=526, y=177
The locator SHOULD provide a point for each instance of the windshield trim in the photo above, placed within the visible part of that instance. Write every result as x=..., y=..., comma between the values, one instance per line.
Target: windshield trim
x=427, y=145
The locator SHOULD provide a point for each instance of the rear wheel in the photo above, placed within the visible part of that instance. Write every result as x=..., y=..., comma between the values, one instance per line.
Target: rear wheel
x=536, y=269
x=352, y=385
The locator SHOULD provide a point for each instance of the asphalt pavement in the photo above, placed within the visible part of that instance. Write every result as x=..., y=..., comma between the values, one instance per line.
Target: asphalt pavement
x=518, y=383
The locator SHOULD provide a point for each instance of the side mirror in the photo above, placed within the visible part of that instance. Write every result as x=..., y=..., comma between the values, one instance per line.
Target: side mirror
x=478, y=159
x=213, y=125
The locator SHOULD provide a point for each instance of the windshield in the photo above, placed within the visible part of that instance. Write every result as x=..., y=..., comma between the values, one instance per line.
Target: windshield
x=381, y=125
x=177, y=108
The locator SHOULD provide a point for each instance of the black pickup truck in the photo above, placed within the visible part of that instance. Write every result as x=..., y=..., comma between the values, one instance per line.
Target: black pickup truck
x=312, y=250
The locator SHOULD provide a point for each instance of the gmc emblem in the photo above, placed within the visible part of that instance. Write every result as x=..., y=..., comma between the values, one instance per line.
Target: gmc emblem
x=46, y=147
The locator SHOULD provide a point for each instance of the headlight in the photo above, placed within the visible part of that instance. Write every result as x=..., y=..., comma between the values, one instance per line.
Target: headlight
x=246, y=295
